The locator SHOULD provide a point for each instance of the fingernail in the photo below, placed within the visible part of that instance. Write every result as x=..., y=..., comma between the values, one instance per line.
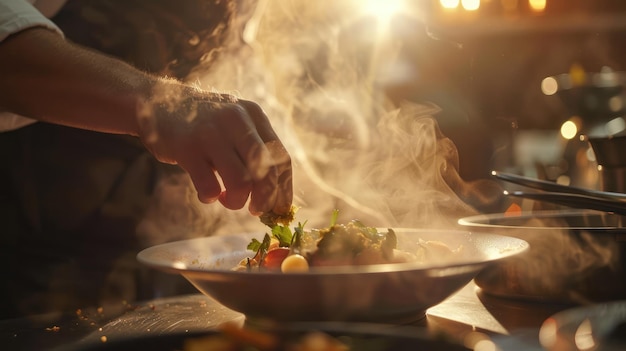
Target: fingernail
x=207, y=200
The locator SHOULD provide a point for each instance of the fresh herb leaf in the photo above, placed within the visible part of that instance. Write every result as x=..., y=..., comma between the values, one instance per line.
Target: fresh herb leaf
x=300, y=228
x=265, y=245
x=254, y=245
x=333, y=218
x=283, y=234
x=296, y=241
x=264, y=248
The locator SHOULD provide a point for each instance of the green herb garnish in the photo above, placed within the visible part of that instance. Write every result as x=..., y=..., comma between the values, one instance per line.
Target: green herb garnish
x=282, y=234
x=333, y=217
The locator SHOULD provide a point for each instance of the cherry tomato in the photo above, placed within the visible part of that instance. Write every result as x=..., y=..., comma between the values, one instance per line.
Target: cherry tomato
x=275, y=258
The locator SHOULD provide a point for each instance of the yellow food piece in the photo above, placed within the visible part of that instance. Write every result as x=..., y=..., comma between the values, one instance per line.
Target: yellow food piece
x=294, y=263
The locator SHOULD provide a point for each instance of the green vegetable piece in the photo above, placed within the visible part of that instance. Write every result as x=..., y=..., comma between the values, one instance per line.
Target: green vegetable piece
x=254, y=245
x=390, y=242
x=333, y=218
x=264, y=248
x=296, y=241
x=370, y=232
x=283, y=234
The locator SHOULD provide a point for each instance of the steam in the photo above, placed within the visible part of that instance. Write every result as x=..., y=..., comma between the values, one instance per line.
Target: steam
x=571, y=266
x=352, y=150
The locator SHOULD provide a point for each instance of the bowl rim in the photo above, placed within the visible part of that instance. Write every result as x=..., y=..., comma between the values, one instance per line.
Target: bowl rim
x=516, y=247
x=483, y=220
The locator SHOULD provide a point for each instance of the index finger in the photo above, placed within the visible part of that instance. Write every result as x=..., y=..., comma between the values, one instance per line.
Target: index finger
x=280, y=178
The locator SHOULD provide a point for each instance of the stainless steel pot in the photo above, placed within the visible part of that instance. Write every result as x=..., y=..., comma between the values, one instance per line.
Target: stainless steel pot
x=575, y=256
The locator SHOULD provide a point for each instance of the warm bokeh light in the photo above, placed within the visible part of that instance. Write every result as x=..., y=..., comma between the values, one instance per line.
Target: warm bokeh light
x=485, y=345
x=547, y=333
x=564, y=179
x=472, y=339
x=591, y=155
x=449, y=4
x=615, y=126
x=577, y=75
x=549, y=86
x=537, y=5
x=179, y=265
x=470, y=5
x=383, y=9
x=616, y=103
x=583, y=338
x=569, y=130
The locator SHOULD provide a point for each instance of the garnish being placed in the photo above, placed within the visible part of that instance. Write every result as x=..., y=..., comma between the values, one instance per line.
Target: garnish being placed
x=337, y=245
x=272, y=219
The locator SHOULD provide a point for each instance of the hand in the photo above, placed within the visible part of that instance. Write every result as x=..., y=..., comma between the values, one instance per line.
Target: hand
x=209, y=135
x=219, y=137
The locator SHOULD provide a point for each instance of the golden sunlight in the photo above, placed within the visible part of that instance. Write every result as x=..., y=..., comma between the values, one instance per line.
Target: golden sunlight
x=383, y=9
x=537, y=5
x=470, y=5
x=449, y=4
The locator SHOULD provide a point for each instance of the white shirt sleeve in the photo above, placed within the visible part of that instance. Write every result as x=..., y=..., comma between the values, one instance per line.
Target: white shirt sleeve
x=15, y=16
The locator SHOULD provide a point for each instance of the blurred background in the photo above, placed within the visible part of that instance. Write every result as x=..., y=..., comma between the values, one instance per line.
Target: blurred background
x=521, y=83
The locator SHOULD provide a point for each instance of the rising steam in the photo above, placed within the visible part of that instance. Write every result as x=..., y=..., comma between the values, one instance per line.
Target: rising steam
x=352, y=150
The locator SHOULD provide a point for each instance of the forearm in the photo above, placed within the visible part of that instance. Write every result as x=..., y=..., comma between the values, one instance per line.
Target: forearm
x=47, y=78
x=207, y=134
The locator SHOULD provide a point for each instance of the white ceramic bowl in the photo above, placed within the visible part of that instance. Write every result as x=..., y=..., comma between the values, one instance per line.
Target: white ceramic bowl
x=391, y=293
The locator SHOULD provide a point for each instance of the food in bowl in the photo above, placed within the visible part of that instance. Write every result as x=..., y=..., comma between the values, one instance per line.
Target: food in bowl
x=272, y=219
x=348, y=244
x=382, y=293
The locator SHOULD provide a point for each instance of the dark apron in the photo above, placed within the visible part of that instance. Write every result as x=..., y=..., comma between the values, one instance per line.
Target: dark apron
x=71, y=199
x=71, y=202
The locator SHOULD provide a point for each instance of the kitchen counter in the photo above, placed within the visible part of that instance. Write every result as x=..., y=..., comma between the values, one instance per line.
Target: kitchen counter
x=512, y=325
